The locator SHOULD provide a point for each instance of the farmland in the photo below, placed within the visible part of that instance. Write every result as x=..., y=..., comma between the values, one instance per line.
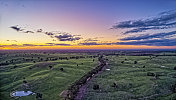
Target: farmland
x=45, y=73
x=135, y=77
x=126, y=75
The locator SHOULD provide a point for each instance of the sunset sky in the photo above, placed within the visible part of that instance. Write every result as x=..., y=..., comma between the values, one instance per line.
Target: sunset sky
x=87, y=24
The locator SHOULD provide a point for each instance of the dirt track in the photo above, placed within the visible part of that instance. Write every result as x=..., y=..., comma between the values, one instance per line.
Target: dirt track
x=83, y=88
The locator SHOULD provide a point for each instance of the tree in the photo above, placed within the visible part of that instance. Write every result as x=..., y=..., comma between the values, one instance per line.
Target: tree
x=135, y=62
x=95, y=86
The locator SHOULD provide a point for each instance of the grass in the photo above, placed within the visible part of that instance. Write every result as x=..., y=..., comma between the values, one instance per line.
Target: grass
x=132, y=80
x=42, y=79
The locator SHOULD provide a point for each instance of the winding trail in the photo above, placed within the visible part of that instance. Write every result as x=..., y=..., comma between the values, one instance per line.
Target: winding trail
x=83, y=88
x=78, y=88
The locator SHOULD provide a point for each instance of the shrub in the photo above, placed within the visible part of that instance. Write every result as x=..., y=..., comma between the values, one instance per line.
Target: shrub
x=95, y=86
x=174, y=68
x=122, y=62
x=150, y=74
x=135, y=62
x=62, y=69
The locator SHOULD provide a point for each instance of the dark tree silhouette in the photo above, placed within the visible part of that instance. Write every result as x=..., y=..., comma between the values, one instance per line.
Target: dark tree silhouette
x=62, y=69
x=50, y=67
x=95, y=86
x=135, y=62
x=174, y=68
x=150, y=74
x=24, y=81
x=38, y=96
x=115, y=85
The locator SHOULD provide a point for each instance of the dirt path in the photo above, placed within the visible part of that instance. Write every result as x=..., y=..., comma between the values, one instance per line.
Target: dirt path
x=83, y=88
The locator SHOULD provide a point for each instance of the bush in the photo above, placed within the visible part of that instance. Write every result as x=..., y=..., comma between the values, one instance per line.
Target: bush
x=150, y=74
x=95, y=86
x=62, y=69
x=135, y=62
x=174, y=68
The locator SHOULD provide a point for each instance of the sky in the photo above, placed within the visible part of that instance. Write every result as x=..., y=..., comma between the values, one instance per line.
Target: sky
x=87, y=24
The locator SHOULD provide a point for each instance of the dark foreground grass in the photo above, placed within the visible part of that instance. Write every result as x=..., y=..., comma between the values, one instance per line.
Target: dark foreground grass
x=40, y=78
x=131, y=80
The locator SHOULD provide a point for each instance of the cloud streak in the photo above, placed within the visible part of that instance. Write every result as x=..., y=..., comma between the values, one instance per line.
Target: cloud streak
x=96, y=43
x=61, y=36
x=91, y=39
x=154, y=42
x=60, y=44
x=17, y=28
x=33, y=45
x=162, y=21
x=12, y=40
x=147, y=36
x=67, y=37
x=89, y=43
x=20, y=29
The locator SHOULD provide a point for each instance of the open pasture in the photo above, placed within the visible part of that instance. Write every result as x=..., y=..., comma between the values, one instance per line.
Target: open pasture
x=46, y=73
x=135, y=77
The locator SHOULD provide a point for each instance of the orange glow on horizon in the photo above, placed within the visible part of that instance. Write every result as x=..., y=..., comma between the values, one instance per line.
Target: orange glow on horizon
x=86, y=47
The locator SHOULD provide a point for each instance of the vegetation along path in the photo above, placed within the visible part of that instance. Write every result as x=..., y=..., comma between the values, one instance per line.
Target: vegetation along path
x=135, y=78
x=77, y=89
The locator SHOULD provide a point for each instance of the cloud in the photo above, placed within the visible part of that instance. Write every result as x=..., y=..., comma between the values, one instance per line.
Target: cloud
x=89, y=43
x=28, y=32
x=12, y=45
x=29, y=45
x=61, y=44
x=91, y=39
x=16, y=28
x=95, y=43
x=48, y=44
x=49, y=33
x=12, y=40
x=143, y=29
x=148, y=36
x=153, y=42
x=164, y=20
x=67, y=37
x=61, y=36
x=20, y=29
x=39, y=30
x=33, y=45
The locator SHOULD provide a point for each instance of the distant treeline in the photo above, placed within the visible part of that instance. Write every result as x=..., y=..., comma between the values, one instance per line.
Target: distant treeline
x=139, y=54
x=39, y=59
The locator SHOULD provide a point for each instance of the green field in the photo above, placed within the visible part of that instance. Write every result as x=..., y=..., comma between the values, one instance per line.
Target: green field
x=126, y=80
x=34, y=68
x=130, y=75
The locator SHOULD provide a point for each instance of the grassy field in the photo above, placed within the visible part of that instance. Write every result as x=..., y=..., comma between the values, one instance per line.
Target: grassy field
x=129, y=76
x=126, y=80
x=33, y=68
